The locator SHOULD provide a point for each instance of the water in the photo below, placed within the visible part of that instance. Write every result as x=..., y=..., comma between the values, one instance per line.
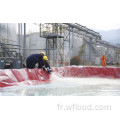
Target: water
x=67, y=87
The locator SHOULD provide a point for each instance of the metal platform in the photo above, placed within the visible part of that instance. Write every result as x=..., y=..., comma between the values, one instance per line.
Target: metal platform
x=52, y=36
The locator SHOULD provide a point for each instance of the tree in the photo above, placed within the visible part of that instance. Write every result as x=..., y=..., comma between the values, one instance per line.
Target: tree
x=75, y=60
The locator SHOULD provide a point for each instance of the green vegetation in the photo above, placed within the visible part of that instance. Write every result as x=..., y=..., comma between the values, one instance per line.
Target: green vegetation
x=75, y=60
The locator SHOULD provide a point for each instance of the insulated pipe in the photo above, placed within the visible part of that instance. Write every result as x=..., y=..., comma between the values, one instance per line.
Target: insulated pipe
x=24, y=41
x=19, y=37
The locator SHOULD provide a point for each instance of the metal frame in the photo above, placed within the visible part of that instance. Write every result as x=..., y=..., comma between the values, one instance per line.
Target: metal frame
x=54, y=42
x=8, y=52
x=57, y=36
x=53, y=38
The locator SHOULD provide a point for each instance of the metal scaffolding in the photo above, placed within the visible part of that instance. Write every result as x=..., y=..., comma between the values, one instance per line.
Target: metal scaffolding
x=10, y=56
x=54, y=34
x=57, y=35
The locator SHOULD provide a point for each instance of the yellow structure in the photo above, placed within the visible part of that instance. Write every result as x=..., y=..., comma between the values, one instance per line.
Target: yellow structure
x=52, y=29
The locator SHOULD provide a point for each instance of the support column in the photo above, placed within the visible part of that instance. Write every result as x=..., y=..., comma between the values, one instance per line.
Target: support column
x=19, y=37
x=57, y=50
x=63, y=54
x=53, y=53
x=46, y=46
x=72, y=38
x=69, y=46
x=24, y=42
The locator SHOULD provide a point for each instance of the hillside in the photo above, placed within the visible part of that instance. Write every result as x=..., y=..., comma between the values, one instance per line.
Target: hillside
x=112, y=36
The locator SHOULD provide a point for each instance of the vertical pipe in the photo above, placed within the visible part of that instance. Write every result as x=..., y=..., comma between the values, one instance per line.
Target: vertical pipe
x=46, y=46
x=114, y=54
x=7, y=32
x=72, y=38
x=48, y=50
x=53, y=54
x=0, y=42
x=69, y=46
x=24, y=42
x=57, y=51
x=19, y=36
x=63, y=54
x=69, y=38
x=89, y=55
x=118, y=55
x=72, y=43
x=115, y=57
x=29, y=46
x=40, y=29
x=57, y=28
x=52, y=28
x=20, y=56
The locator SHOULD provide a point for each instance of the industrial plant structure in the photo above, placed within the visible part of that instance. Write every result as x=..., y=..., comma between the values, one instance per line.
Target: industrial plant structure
x=60, y=42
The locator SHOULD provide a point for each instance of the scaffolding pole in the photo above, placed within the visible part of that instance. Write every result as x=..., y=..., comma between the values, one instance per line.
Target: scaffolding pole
x=19, y=37
x=57, y=51
x=24, y=41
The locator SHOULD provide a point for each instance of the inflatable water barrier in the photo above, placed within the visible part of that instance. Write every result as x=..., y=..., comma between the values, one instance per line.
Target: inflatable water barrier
x=19, y=77
x=100, y=72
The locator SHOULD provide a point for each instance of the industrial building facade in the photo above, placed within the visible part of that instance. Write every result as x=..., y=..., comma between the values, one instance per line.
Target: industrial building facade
x=60, y=42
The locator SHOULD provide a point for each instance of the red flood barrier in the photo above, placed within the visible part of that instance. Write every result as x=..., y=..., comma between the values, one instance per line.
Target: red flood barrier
x=19, y=77
x=100, y=72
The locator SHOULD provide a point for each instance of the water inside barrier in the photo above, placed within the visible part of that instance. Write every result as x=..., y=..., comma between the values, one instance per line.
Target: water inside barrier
x=59, y=86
